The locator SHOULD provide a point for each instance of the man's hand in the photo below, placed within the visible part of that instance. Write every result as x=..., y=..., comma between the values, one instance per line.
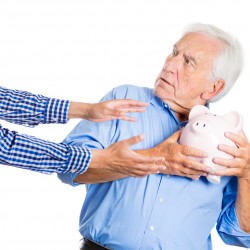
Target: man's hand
x=178, y=159
x=120, y=159
x=240, y=164
x=105, y=111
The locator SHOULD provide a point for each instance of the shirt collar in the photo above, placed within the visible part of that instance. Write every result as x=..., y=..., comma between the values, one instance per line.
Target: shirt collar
x=157, y=102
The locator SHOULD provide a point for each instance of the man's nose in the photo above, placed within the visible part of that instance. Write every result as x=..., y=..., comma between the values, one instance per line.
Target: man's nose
x=172, y=63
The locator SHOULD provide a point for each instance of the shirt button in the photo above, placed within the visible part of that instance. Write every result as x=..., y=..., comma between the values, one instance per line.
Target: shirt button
x=152, y=228
x=161, y=200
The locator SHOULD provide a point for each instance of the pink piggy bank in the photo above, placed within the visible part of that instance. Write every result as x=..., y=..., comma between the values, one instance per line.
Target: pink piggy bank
x=206, y=131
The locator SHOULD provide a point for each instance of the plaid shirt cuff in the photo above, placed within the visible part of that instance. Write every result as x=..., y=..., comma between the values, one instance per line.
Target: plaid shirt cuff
x=56, y=111
x=79, y=160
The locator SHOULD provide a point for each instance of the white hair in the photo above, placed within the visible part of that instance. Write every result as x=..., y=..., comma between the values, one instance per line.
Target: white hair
x=228, y=64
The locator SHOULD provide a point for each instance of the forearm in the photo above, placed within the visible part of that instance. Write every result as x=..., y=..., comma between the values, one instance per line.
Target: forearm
x=98, y=169
x=78, y=110
x=243, y=204
x=42, y=156
x=92, y=176
x=22, y=107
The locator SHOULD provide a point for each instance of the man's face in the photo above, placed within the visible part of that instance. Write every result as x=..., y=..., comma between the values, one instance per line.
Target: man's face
x=186, y=74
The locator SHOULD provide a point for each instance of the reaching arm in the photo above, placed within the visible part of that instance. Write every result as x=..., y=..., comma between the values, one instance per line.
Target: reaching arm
x=171, y=159
x=105, y=111
x=119, y=161
x=22, y=107
x=28, y=152
x=42, y=156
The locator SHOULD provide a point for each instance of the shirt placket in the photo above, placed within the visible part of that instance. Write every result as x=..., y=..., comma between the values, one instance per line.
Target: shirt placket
x=154, y=222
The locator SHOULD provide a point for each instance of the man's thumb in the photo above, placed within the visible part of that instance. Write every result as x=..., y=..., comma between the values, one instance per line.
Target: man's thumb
x=175, y=136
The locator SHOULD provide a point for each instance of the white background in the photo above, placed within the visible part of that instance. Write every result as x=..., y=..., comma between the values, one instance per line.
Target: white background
x=79, y=50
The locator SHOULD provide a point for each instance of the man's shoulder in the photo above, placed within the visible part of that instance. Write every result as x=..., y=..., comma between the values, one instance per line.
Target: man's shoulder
x=133, y=92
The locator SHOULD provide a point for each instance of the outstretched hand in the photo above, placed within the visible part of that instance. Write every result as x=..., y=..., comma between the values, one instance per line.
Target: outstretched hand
x=113, y=109
x=119, y=158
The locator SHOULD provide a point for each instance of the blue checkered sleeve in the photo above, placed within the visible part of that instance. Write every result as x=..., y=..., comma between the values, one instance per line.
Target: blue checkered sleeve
x=27, y=152
x=42, y=156
x=24, y=108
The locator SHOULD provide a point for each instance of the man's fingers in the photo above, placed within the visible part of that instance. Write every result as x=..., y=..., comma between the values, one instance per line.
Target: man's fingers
x=142, y=169
x=230, y=163
x=127, y=118
x=226, y=172
x=126, y=103
x=191, y=171
x=196, y=165
x=229, y=150
x=189, y=151
x=238, y=140
x=132, y=109
x=122, y=115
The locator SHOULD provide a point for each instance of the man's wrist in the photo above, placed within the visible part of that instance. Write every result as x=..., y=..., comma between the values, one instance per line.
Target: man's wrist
x=99, y=159
x=78, y=110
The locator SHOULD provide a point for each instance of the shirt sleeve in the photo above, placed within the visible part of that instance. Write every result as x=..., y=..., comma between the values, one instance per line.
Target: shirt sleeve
x=228, y=225
x=42, y=156
x=92, y=135
x=21, y=107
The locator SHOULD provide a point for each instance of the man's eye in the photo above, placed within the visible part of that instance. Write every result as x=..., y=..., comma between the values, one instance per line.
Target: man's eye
x=174, y=52
x=188, y=62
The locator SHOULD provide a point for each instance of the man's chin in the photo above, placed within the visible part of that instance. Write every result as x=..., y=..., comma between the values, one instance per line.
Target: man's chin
x=160, y=92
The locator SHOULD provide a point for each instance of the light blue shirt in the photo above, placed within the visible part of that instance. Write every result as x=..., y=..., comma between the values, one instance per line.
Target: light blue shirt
x=158, y=211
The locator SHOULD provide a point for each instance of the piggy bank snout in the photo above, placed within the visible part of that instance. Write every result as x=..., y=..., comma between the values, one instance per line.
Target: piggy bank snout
x=201, y=126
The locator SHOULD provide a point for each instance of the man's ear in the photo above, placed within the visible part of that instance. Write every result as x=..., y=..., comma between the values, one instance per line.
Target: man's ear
x=215, y=88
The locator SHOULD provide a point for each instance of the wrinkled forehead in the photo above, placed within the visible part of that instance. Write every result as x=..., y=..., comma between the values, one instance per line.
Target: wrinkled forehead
x=199, y=45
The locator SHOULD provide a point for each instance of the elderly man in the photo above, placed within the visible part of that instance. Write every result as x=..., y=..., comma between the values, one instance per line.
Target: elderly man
x=168, y=210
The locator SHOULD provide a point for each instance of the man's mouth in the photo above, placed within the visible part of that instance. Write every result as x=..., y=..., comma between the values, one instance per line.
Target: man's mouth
x=164, y=81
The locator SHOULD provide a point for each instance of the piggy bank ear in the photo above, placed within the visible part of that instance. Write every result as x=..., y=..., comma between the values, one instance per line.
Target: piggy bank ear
x=198, y=110
x=235, y=119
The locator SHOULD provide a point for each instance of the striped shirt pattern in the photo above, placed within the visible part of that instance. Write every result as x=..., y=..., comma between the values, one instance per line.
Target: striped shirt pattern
x=28, y=152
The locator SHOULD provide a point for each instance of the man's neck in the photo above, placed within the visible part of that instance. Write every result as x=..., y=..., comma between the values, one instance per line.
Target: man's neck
x=180, y=112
